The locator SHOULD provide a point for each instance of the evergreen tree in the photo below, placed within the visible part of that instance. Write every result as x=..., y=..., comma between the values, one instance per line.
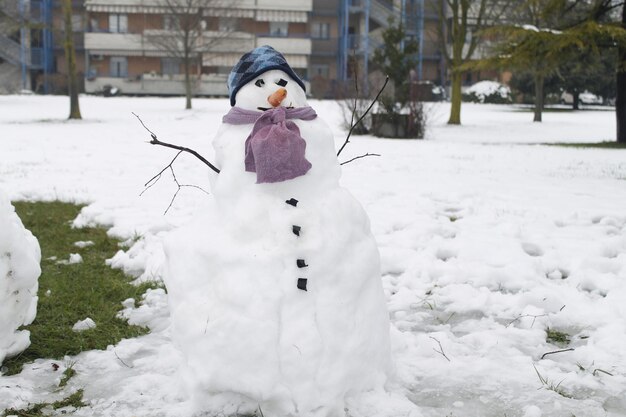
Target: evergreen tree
x=544, y=35
x=398, y=59
x=593, y=72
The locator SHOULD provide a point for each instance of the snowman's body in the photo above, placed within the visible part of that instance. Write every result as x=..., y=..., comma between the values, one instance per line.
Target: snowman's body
x=275, y=291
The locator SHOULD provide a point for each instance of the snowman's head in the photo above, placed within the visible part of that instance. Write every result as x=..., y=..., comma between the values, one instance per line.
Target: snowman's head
x=271, y=89
x=262, y=79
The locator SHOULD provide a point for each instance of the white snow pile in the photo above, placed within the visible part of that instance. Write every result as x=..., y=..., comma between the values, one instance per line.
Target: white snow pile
x=534, y=28
x=483, y=89
x=82, y=325
x=490, y=246
x=277, y=305
x=83, y=244
x=19, y=271
x=74, y=258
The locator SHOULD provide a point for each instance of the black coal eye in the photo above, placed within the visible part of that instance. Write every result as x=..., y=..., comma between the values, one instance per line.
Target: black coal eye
x=281, y=82
x=259, y=83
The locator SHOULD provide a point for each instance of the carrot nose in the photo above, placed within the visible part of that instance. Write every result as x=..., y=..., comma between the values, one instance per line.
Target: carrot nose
x=277, y=97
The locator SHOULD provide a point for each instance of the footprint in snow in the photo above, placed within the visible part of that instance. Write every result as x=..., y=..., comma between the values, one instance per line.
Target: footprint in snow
x=445, y=254
x=532, y=249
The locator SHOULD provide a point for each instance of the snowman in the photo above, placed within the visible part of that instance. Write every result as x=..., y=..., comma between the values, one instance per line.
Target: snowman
x=274, y=290
x=19, y=273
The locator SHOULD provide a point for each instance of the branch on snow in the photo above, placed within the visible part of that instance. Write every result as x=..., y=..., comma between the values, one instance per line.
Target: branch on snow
x=556, y=351
x=535, y=317
x=440, y=351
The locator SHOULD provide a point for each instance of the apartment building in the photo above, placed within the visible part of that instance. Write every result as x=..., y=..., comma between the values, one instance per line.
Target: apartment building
x=122, y=53
x=26, y=43
x=324, y=41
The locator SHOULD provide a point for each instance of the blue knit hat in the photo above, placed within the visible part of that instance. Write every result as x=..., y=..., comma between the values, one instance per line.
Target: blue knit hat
x=254, y=63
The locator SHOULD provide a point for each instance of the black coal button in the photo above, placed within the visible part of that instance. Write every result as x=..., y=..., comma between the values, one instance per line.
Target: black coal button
x=296, y=230
x=302, y=284
x=301, y=263
x=292, y=202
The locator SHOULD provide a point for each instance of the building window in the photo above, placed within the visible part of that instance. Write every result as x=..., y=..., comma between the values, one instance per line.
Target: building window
x=170, y=66
x=227, y=24
x=77, y=22
x=320, y=70
x=118, y=23
x=170, y=22
x=93, y=25
x=119, y=66
x=320, y=30
x=279, y=28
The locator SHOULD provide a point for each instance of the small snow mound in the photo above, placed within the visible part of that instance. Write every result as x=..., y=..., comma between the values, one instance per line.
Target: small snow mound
x=75, y=258
x=83, y=325
x=129, y=303
x=83, y=244
x=19, y=271
x=484, y=89
x=532, y=411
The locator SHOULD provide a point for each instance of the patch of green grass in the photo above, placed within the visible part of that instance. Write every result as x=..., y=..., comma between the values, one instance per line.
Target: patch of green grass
x=37, y=410
x=557, y=337
x=551, y=385
x=531, y=109
x=67, y=375
x=75, y=400
x=601, y=145
x=69, y=293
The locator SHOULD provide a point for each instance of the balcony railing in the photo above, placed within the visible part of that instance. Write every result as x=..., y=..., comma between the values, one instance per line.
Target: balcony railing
x=39, y=59
x=289, y=45
x=326, y=47
x=10, y=50
x=325, y=8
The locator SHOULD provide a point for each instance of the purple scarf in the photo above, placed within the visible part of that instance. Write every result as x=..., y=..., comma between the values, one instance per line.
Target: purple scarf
x=274, y=149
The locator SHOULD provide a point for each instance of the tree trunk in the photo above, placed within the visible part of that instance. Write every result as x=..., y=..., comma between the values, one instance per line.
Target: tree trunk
x=620, y=103
x=187, y=65
x=538, y=97
x=576, y=100
x=70, y=57
x=455, y=99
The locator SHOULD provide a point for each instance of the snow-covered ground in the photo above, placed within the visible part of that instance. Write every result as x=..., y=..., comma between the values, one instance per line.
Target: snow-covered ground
x=487, y=240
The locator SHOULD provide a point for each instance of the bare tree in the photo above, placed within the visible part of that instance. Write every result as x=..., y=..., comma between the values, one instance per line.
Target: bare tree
x=184, y=36
x=620, y=105
x=461, y=20
x=9, y=17
x=70, y=57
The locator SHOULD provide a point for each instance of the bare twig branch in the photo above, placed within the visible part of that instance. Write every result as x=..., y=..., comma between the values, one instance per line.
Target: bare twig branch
x=152, y=181
x=440, y=351
x=535, y=317
x=359, y=157
x=156, y=141
x=179, y=187
x=595, y=371
x=157, y=177
x=556, y=351
x=120, y=359
x=363, y=116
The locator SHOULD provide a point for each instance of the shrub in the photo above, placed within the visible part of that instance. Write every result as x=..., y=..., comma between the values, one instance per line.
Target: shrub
x=489, y=92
